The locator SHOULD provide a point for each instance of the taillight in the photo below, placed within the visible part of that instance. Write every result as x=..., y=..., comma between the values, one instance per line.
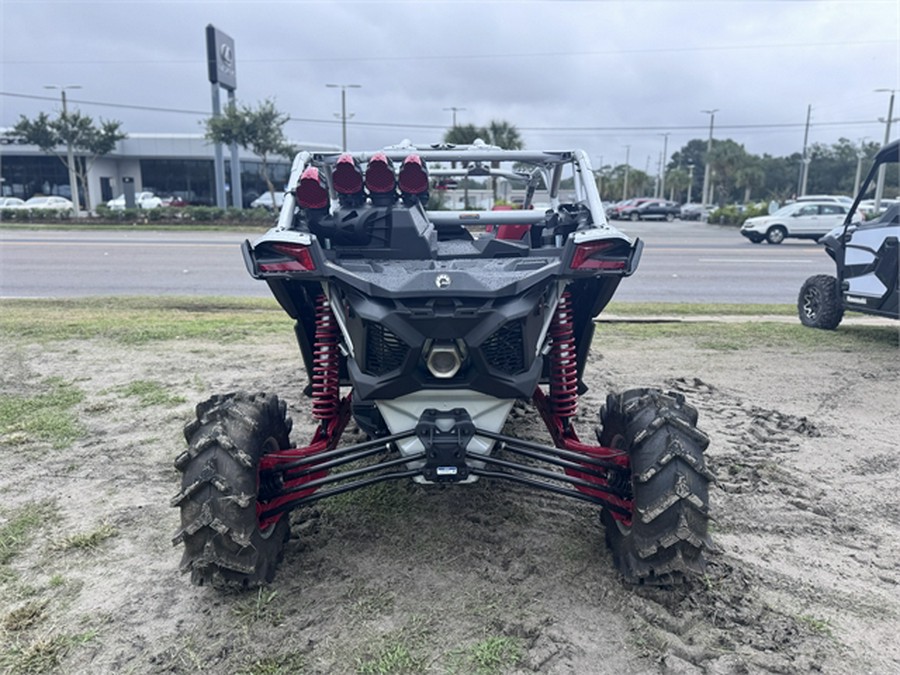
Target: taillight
x=300, y=259
x=597, y=255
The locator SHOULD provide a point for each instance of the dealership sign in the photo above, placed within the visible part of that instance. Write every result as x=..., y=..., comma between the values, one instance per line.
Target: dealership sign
x=220, y=58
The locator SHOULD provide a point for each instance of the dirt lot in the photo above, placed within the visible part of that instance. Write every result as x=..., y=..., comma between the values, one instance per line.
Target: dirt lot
x=488, y=578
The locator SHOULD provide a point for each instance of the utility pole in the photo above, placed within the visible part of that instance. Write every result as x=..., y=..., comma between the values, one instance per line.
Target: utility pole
x=706, y=170
x=70, y=154
x=879, y=189
x=804, y=163
x=625, y=182
x=662, y=178
x=455, y=110
x=343, y=115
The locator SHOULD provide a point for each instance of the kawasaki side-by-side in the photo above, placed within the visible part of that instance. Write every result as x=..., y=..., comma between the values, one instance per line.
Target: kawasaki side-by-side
x=425, y=325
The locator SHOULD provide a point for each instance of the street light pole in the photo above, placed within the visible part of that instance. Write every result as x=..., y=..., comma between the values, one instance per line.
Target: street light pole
x=70, y=154
x=625, y=182
x=879, y=189
x=860, y=155
x=706, y=169
x=804, y=167
x=344, y=88
x=690, y=182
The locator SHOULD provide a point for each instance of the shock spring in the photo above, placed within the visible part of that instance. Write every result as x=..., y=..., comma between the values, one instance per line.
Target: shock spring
x=563, y=361
x=326, y=363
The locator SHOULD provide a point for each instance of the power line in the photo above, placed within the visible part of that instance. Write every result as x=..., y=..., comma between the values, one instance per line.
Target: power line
x=660, y=128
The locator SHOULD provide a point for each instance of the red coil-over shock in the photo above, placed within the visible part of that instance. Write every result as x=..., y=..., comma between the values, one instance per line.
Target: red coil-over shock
x=563, y=361
x=326, y=363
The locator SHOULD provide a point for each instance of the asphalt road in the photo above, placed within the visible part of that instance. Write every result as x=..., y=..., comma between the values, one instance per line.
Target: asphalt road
x=682, y=262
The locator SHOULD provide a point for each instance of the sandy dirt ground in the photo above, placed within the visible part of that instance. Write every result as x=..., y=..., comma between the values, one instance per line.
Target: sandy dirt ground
x=489, y=578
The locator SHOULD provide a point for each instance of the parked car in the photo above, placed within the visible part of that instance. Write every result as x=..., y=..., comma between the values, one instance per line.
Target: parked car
x=840, y=199
x=654, y=209
x=867, y=207
x=142, y=200
x=11, y=203
x=614, y=212
x=49, y=204
x=865, y=258
x=694, y=212
x=264, y=201
x=801, y=220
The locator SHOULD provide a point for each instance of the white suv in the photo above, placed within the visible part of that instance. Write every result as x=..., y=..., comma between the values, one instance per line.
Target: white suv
x=802, y=220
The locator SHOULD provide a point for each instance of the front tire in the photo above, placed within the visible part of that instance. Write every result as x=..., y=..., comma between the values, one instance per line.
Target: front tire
x=819, y=304
x=668, y=532
x=224, y=545
x=776, y=234
x=635, y=217
x=670, y=217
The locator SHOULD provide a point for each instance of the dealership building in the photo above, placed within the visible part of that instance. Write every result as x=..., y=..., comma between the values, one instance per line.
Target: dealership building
x=178, y=165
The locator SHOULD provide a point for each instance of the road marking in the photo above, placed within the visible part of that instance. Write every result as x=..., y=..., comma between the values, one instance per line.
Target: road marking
x=755, y=261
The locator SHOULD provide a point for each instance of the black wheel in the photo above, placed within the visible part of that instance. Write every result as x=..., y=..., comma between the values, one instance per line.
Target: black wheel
x=224, y=545
x=819, y=303
x=670, y=217
x=668, y=531
x=776, y=234
x=635, y=217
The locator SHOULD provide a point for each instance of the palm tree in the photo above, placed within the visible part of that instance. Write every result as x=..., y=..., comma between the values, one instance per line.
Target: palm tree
x=504, y=135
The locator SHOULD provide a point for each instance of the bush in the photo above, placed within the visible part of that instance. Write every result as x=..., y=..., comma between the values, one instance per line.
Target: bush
x=734, y=214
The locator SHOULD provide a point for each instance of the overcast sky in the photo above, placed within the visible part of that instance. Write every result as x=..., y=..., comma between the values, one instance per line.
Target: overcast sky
x=595, y=75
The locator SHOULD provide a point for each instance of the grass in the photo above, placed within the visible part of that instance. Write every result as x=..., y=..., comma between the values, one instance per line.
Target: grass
x=41, y=654
x=87, y=541
x=140, y=320
x=733, y=336
x=46, y=416
x=260, y=608
x=697, y=309
x=150, y=392
x=19, y=527
x=494, y=655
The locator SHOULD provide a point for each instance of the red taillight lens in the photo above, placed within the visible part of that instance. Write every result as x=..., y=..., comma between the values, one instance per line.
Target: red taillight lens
x=597, y=256
x=312, y=192
x=301, y=259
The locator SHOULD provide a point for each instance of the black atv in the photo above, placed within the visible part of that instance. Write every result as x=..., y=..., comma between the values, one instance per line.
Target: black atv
x=865, y=255
x=425, y=326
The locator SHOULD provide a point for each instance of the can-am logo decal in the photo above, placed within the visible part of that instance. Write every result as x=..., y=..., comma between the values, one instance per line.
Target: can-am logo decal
x=442, y=280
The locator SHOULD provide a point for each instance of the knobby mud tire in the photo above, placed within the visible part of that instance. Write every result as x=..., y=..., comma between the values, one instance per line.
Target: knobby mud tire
x=819, y=303
x=668, y=535
x=223, y=544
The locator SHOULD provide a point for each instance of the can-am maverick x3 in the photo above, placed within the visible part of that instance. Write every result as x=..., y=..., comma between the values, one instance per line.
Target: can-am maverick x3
x=434, y=323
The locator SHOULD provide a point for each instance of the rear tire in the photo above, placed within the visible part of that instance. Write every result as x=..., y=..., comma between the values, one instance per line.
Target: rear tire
x=224, y=546
x=819, y=303
x=668, y=533
x=670, y=217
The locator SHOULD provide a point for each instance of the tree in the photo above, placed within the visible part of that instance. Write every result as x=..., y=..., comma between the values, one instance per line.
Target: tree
x=504, y=135
x=88, y=140
x=260, y=130
x=465, y=135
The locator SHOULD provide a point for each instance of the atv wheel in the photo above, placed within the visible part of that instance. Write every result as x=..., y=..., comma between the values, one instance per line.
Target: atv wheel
x=776, y=234
x=819, y=304
x=669, y=483
x=223, y=543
